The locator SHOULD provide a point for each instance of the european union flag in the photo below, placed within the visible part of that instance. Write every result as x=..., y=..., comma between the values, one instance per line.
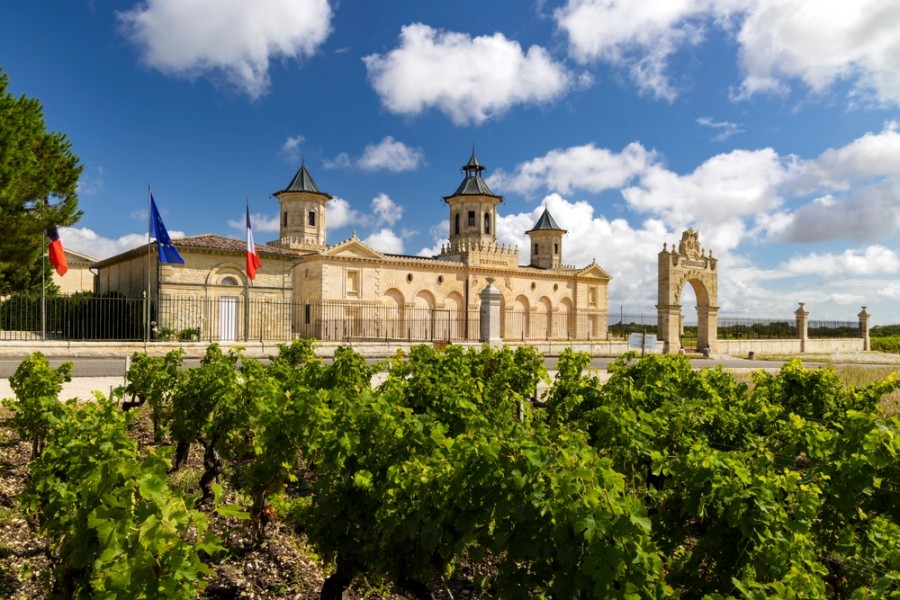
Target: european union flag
x=167, y=251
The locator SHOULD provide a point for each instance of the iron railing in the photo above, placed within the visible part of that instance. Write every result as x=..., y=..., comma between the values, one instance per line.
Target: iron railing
x=215, y=319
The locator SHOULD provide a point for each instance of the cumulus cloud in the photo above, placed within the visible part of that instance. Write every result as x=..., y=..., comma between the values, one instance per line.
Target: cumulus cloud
x=868, y=214
x=87, y=241
x=585, y=168
x=341, y=214
x=231, y=39
x=470, y=79
x=385, y=240
x=290, y=149
x=872, y=260
x=260, y=222
x=386, y=210
x=390, y=155
x=816, y=43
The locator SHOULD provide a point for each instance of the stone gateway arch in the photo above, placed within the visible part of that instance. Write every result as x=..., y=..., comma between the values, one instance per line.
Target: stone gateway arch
x=689, y=264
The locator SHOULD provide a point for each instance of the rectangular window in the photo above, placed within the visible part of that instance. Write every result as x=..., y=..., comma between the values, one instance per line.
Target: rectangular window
x=307, y=315
x=555, y=249
x=592, y=296
x=353, y=283
x=284, y=219
x=536, y=247
x=312, y=218
x=471, y=218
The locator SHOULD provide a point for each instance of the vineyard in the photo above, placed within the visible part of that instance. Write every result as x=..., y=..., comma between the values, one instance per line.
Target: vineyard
x=451, y=480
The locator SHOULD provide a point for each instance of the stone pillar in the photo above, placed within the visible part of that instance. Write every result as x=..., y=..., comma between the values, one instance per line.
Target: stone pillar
x=490, y=314
x=707, y=328
x=864, y=328
x=802, y=326
x=668, y=321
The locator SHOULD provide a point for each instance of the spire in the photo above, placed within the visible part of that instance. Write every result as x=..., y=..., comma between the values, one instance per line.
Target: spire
x=473, y=184
x=546, y=223
x=303, y=182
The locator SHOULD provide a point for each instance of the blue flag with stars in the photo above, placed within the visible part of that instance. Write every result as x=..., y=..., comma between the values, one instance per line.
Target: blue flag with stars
x=167, y=251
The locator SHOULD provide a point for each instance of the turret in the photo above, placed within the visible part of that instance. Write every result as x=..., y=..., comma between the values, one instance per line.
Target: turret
x=473, y=208
x=546, y=242
x=302, y=220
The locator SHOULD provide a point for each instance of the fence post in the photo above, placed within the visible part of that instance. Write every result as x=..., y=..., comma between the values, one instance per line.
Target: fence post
x=802, y=316
x=864, y=328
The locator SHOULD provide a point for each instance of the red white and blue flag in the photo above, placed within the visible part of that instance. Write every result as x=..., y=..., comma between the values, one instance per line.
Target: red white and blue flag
x=253, y=262
x=56, y=252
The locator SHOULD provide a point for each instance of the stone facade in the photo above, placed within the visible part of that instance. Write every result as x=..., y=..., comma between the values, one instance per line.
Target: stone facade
x=351, y=291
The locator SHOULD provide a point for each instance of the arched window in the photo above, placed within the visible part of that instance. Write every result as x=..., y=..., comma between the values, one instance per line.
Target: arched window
x=456, y=225
x=229, y=280
x=487, y=222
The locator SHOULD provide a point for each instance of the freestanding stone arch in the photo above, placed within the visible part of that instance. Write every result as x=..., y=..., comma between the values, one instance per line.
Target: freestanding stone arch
x=689, y=264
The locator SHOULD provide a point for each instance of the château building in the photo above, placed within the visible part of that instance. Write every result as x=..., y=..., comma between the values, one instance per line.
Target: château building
x=348, y=290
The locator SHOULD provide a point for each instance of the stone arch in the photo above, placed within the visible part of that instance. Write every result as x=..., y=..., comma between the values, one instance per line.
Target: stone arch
x=224, y=270
x=519, y=318
x=689, y=264
x=420, y=322
x=565, y=319
x=394, y=310
x=543, y=318
x=455, y=306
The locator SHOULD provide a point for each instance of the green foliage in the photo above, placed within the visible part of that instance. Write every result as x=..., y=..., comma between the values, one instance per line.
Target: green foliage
x=36, y=408
x=116, y=530
x=35, y=165
x=154, y=379
x=886, y=344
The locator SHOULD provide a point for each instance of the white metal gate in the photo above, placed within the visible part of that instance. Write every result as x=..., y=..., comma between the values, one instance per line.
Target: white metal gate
x=227, y=318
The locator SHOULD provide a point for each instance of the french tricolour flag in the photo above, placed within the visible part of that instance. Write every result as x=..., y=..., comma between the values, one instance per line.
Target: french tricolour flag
x=253, y=262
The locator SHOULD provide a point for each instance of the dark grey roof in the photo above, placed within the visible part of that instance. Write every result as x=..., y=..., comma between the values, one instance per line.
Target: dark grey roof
x=473, y=184
x=545, y=223
x=303, y=182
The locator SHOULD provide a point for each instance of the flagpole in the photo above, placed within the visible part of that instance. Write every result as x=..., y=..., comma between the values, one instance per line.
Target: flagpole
x=147, y=292
x=247, y=288
x=44, y=286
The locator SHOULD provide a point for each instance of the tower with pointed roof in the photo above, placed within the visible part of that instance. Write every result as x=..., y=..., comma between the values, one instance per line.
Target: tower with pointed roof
x=473, y=210
x=546, y=242
x=302, y=216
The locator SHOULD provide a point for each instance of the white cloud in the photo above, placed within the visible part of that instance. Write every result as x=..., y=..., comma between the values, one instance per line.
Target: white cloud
x=341, y=161
x=576, y=168
x=872, y=260
x=390, y=155
x=386, y=210
x=725, y=129
x=260, y=222
x=780, y=41
x=290, y=149
x=229, y=38
x=470, y=79
x=86, y=241
x=385, y=240
x=341, y=214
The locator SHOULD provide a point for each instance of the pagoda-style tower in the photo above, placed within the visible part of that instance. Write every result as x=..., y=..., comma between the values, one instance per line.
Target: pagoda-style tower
x=473, y=210
x=546, y=242
x=302, y=213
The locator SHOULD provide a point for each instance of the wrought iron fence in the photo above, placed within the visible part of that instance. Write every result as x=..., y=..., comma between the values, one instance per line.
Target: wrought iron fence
x=223, y=318
x=739, y=328
x=833, y=329
x=76, y=317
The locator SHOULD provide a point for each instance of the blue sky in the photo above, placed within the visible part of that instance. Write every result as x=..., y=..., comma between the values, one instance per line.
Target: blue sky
x=771, y=127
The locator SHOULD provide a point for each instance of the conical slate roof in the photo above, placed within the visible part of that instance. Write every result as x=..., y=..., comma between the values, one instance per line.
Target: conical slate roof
x=303, y=182
x=473, y=184
x=545, y=223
